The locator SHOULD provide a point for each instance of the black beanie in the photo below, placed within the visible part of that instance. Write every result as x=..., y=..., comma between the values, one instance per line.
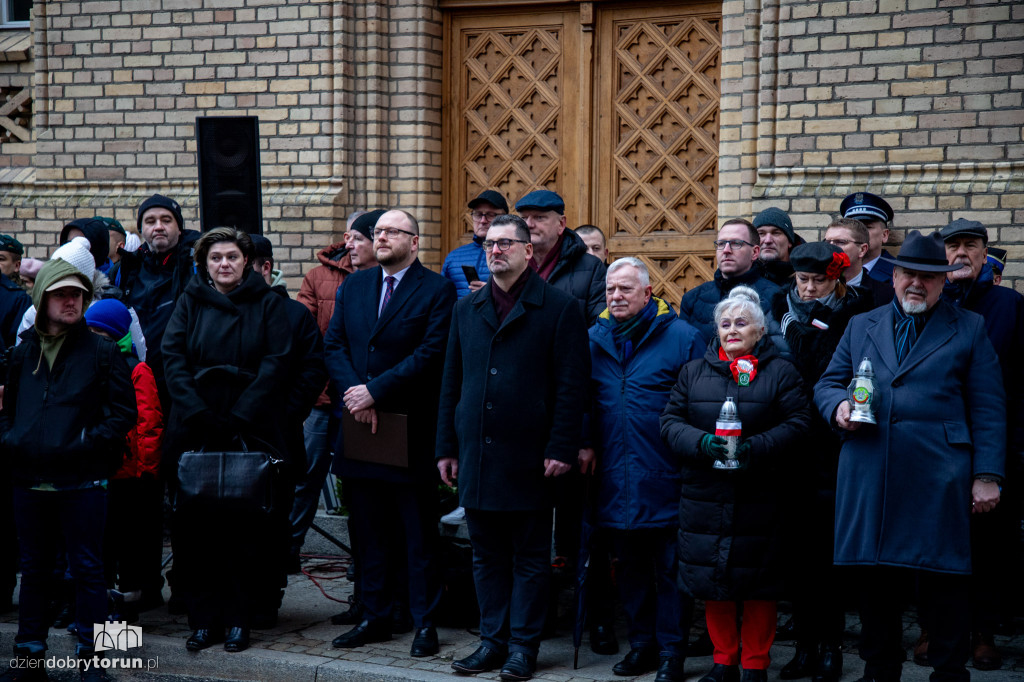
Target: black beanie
x=160, y=201
x=365, y=223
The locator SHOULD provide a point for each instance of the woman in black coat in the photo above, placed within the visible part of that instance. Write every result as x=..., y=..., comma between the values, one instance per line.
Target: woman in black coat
x=225, y=360
x=730, y=518
x=813, y=316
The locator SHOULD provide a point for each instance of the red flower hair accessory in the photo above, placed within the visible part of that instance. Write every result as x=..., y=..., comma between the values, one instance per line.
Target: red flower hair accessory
x=840, y=261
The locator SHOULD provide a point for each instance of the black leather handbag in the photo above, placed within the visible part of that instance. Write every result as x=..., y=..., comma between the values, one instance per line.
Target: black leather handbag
x=242, y=476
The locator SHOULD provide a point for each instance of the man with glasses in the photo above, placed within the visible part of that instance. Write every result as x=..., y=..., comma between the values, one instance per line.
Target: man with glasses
x=483, y=210
x=560, y=256
x=385, y=353
x=510, y=420
x=852, y=237
x=876, y=214
x=736, y=249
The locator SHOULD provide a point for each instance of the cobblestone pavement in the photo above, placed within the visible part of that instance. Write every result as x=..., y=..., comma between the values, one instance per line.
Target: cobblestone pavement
x=299, y=647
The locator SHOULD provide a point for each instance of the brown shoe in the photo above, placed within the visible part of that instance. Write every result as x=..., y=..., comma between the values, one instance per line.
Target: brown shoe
x=921, y=649
x=986, y=657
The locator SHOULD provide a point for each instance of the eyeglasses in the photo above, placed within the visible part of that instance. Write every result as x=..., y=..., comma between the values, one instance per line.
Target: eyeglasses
x=842, y=242
x=736, y=244
x=391, y=232
x=480, y=215
x=503, y=244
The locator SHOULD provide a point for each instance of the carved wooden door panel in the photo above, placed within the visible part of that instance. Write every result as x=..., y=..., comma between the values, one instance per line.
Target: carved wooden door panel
x=511, y=117
x=657, y=140
x=615, y=108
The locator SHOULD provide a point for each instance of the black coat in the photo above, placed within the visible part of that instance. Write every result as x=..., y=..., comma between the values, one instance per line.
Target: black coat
x=399, y=356
x=881, y=292
x=730, y=521
x=13, y=304
x=698, y=304
x=513, y=395
x=152, y=283
x=68, y=424
x=226, y=358
x=581, y=275
x=307, y=373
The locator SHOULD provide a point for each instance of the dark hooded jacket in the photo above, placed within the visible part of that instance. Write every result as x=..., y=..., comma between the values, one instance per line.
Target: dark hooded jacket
x=66, y=424
x=226, y=359
x=152, y=283
x=698, y=304
x=96, y=232
x=581, y=275
x=731, y=520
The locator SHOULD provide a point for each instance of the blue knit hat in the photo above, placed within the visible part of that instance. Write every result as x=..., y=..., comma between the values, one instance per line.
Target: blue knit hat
x=111, y=316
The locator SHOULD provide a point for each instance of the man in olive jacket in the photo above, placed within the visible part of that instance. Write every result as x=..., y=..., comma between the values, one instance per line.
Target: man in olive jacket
x=510, y=420
x=68, y=406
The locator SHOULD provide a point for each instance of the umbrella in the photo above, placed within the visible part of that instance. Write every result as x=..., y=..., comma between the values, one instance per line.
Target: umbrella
x=582, y=566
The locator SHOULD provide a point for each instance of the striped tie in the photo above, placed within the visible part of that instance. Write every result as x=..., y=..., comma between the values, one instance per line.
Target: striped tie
x=390, y=289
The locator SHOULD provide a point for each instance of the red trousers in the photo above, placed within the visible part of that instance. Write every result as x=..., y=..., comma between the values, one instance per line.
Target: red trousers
x=757, y=632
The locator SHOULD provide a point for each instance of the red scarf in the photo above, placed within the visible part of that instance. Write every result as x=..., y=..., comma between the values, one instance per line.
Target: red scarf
x=744, y=368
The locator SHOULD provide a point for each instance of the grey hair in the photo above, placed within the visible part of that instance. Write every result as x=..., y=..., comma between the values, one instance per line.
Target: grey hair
x=744, y=298
x=642, y=272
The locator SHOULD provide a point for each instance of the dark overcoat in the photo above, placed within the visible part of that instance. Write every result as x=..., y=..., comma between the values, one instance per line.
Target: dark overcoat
x=399, y=356
x=227, y=354
x=730, y=521
x=903, y=493
x=513, y=395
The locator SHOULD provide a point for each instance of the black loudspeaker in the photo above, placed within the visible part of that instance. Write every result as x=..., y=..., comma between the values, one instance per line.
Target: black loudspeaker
x=229, y=173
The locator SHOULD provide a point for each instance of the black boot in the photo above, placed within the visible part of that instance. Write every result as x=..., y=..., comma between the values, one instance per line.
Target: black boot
x=803, y=664
x=830, y=664
x=722, y=673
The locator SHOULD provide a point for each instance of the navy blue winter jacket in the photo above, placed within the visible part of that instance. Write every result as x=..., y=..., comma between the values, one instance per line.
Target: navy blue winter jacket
x=698, y=304
x=639, y=475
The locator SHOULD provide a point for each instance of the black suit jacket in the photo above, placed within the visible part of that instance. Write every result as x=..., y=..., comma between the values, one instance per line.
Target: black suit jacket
x=399, y=357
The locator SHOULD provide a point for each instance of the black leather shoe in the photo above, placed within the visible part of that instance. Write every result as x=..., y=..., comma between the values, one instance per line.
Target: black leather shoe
x=802, y=664
x=238, y=640
x=518, y=666
x=424, y=643
x=638, y=661
x=830, y=665
x=722, y=673
x=365, y=633
x=670, y=670
x=202, y=639
x=754, y=676
x=352, y=616
x=482, y=660
x=602, y=640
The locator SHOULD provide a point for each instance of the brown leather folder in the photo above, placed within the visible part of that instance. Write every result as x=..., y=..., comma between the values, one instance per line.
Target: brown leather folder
x=390, y=445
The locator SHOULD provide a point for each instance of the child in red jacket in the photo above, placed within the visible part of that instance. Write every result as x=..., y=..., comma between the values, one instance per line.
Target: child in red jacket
x=134, y=539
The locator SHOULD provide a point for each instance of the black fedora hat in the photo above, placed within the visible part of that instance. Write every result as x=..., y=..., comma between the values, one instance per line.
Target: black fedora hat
x=923, y=253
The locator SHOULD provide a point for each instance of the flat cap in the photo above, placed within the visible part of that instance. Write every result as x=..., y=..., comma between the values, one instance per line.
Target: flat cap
x=541, y=200
x=961, y=227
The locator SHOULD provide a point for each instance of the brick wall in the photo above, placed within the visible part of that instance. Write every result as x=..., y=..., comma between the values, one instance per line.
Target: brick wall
x=919, y=101
x=348, y=96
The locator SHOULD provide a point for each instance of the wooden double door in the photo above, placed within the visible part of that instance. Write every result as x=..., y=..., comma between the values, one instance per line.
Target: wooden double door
x=614, y=107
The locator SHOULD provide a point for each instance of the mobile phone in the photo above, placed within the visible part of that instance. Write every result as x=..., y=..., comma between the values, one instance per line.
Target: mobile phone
x=470, y=272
